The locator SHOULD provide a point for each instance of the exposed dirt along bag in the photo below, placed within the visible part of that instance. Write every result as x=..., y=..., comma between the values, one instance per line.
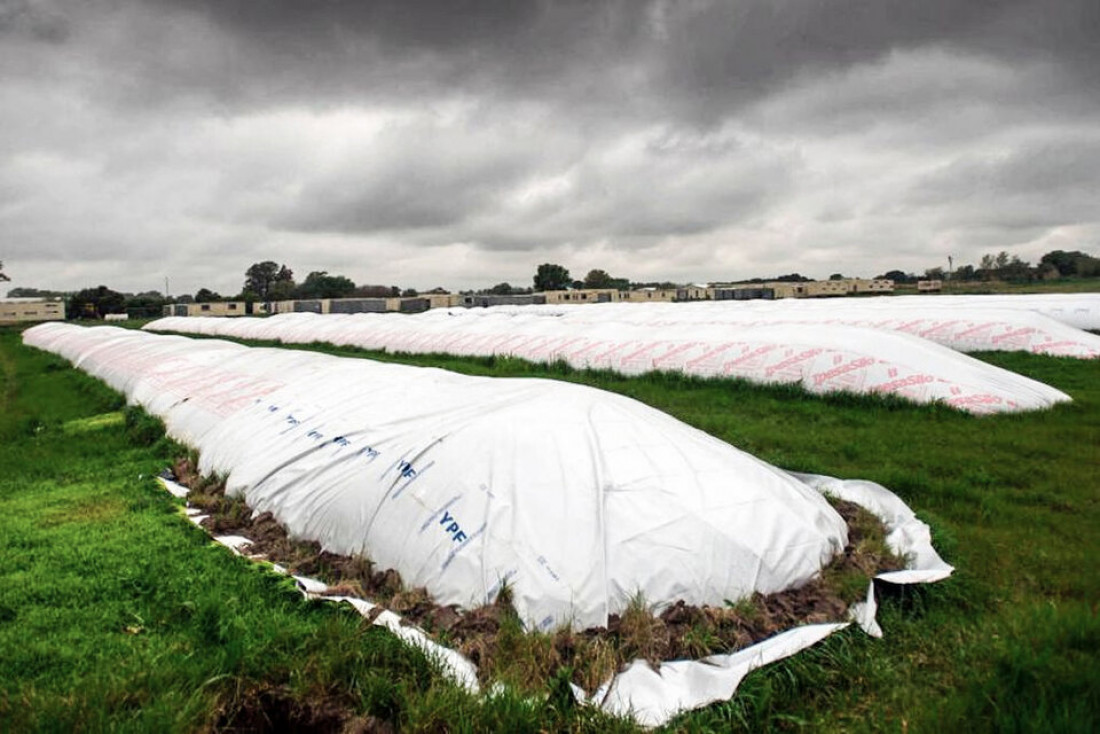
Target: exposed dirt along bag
x=820, y=357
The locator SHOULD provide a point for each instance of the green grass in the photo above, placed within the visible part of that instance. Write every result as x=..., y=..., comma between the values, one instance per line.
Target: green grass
x=117, y=614
x=88, y=550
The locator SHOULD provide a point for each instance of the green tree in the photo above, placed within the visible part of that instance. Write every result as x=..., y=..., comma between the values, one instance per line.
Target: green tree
x=836, y=276
x=501, y=289
x=260, y=277
x=147, y=304
x=898, y=276
x=319, y=284
x=95, y=303
x=205, y=295
x=1072, y=263
x=965, y=272
x=551, y=277
x=35, y=293
x=598, y=279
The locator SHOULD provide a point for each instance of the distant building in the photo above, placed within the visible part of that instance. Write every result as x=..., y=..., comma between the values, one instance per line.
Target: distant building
x=929, y=286
x=695, y=292
x=742, y=293
x=15, y=311
x=876, y=285
x=583, y=295
x=649, y=295
x=486, y=300
x=214, y=308
x=804, y=289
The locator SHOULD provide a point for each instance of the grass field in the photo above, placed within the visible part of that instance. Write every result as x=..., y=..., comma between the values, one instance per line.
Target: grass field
x=116, y=613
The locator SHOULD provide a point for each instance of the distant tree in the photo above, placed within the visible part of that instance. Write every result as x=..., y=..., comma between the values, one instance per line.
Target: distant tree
x=793, y=278
x=897, y=276
x=34, y=293
x=597, y=279
x=205, y=295
x=836, y=276
x=281, y=290
x=95, y=303
x=395, y=292
x=145, y=305
x=260, y=277
x=965, y=272
x=409, y=293
x=1003, y=266
x=577, y=284
x=319, y=284
x=1072, y=263
x=933, y=274
x=501, y=289
x=1017, y=270
x=551, y=277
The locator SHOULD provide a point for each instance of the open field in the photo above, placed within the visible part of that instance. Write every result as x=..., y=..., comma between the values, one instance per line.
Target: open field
x=116, y=613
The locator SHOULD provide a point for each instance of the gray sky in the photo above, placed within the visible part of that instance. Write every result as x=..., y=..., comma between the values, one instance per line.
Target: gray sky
x=462, y=143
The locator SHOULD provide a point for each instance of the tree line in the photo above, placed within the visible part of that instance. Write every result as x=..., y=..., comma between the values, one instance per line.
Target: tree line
x=1010, y=268
x=271, y=281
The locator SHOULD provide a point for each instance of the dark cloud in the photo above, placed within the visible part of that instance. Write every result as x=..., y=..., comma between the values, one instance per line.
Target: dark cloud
x=694, y=61
x=37, y=20
x=661, y=136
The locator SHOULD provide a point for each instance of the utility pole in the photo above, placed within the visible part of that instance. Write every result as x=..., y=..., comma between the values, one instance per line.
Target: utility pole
x=166, y=286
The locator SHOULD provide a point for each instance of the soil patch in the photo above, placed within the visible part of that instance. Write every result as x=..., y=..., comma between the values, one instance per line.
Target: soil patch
x=275, y=709
x=493, y=637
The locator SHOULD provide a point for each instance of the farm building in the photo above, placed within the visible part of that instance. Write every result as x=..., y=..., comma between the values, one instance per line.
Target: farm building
x=583, y=295
x=214, y=308
x=649, y=295
x=19, y=310
x=694, y=292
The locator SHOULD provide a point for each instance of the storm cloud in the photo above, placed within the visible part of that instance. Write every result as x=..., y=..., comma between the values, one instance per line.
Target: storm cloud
x=462, y=143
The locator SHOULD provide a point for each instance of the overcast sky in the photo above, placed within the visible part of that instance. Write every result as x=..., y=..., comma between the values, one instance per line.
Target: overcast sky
x=461, y=143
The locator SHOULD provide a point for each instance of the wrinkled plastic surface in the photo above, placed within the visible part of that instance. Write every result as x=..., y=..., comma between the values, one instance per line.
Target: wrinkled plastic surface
x=576, y=498
x=969, y=326
x=821, y=357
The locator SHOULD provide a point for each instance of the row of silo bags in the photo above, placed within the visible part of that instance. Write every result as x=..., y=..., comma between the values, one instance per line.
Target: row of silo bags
x=965, y=324
x=576, y=498
x=821, y=357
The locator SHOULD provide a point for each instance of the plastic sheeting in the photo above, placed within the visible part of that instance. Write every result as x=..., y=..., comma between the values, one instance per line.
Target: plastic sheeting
x=820, y=357
x=1080, y=310
x=959, y=327
x=567, y=493
x=575, y=490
